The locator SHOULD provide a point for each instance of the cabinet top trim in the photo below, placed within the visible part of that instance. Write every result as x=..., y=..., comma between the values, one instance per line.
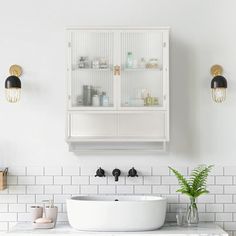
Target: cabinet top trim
x=116, y=28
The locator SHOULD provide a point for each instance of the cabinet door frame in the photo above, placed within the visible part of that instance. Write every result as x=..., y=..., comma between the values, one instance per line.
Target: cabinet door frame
x=69, y=72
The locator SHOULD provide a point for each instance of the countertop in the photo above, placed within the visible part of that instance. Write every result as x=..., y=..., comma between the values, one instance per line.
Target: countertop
x=168, y=229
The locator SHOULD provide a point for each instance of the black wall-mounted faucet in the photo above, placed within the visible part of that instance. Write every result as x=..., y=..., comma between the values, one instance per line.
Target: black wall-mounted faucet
x=100, y=172
x=116, y=173
x=132, y=173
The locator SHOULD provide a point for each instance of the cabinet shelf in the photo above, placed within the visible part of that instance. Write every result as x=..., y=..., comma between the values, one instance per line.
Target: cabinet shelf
x=143, y=69
x=92, y=69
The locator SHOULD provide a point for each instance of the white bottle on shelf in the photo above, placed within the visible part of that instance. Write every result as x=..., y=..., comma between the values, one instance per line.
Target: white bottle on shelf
x=130, y=60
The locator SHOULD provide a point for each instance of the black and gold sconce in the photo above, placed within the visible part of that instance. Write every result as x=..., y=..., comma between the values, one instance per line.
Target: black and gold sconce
x=218, y=84
x=13, y=84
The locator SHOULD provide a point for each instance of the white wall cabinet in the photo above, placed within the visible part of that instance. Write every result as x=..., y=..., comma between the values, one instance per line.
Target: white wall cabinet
x=118, y=86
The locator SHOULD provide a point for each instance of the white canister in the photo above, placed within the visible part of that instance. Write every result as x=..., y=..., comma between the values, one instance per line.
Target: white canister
x=96, y=101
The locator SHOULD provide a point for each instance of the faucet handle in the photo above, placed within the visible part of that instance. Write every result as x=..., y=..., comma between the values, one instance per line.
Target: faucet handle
x=132, y=173
x=100, y=172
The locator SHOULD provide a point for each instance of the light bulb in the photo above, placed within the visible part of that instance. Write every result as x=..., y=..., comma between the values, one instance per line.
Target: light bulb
x=219, y=94
x=13, y=94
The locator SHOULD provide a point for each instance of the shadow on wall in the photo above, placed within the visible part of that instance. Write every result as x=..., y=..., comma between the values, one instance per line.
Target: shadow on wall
x=183, y=110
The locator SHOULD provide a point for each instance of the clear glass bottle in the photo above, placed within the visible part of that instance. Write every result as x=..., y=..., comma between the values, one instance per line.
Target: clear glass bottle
x=129, y=60
x=192, y=213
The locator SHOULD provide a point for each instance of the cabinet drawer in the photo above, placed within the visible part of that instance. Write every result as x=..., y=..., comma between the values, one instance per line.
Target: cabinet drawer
x=91, y=124
x=143, y=125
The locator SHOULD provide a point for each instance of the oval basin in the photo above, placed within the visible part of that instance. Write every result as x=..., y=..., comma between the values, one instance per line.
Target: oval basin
x=116, y=213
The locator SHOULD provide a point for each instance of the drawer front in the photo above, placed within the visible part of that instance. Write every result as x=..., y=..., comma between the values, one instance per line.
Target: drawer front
x=91, y=124
x=151, y=125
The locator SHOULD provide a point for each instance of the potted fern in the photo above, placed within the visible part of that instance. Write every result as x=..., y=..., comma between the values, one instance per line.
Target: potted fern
x=193, y=187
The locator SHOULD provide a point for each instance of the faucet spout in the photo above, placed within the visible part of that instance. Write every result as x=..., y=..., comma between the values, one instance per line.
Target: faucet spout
x=116, y=173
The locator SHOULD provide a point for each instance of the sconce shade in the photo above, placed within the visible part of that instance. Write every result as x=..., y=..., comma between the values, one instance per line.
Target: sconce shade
x=218, y=82
x=218, y=86
x=13, y=88
x=12, y=82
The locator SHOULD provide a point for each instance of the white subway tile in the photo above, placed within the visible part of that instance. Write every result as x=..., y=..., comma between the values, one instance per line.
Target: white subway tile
x=88, y=170
x=61, y=198
x=215, y=189
x=3, y=208
x=170, y=217
x=22, y=217
x=143, y=189
x=177, y=207
x=8, y=198
x=230, y=189
x=160, y=170
x=201, y=207
x=17, y=189
x=230, y=170
x=125, y=189
x=52, y=170
x=62, y=180
x=26, y=180
x=134, y=180
x=8, y=216
x=17, y=170
x=26, y=198
x=224, y=216
x=152, y=180
x=174, y=188
x=211, y=180
x=17, y=207
x=229, y=226
x=35, y=170
x=80, y=180
x=43, y=197
x=98, y=180
x=3, y=226
x=207, y=198
x=224, y=199
x=229, y=207
x=224, y=180
x=70, y=170
x=182, y=169
x=207, y=217
x=4, y=192
x=217, y=170
x=143, y=170
x=34, y=189
x=106, y=189
x=160, y=189
x=71, y=189
x=111, y=180
x=52, y=189
x=62, y=217
x=89, y=189
x=171, y=198
x=11, y=180
x=44, y=180
x=169, y=180
x=214, y=207
x=64, y=207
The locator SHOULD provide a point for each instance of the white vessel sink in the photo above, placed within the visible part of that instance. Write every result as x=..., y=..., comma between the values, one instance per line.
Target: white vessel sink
x=116, y=213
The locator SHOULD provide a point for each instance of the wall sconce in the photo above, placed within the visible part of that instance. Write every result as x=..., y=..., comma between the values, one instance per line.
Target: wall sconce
x=218, y=84
x=13, y=84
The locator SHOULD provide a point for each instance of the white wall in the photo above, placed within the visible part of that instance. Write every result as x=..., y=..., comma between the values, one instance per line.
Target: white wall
x=32, y=34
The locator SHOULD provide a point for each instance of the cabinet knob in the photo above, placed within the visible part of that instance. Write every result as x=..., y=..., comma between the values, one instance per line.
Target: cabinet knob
x=117, y=70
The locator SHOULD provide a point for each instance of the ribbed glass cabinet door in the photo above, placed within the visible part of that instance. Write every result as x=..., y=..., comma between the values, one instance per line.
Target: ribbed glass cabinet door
x=91, y=69
x=142, y=69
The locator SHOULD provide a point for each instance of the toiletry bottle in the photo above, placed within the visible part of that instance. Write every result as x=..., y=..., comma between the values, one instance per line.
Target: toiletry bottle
x=51, y=211
x=105, y=100
x=36, y=212
x=129, y=62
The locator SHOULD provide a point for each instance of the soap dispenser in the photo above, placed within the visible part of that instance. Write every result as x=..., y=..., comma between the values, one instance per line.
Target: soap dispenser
x=51, y=211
